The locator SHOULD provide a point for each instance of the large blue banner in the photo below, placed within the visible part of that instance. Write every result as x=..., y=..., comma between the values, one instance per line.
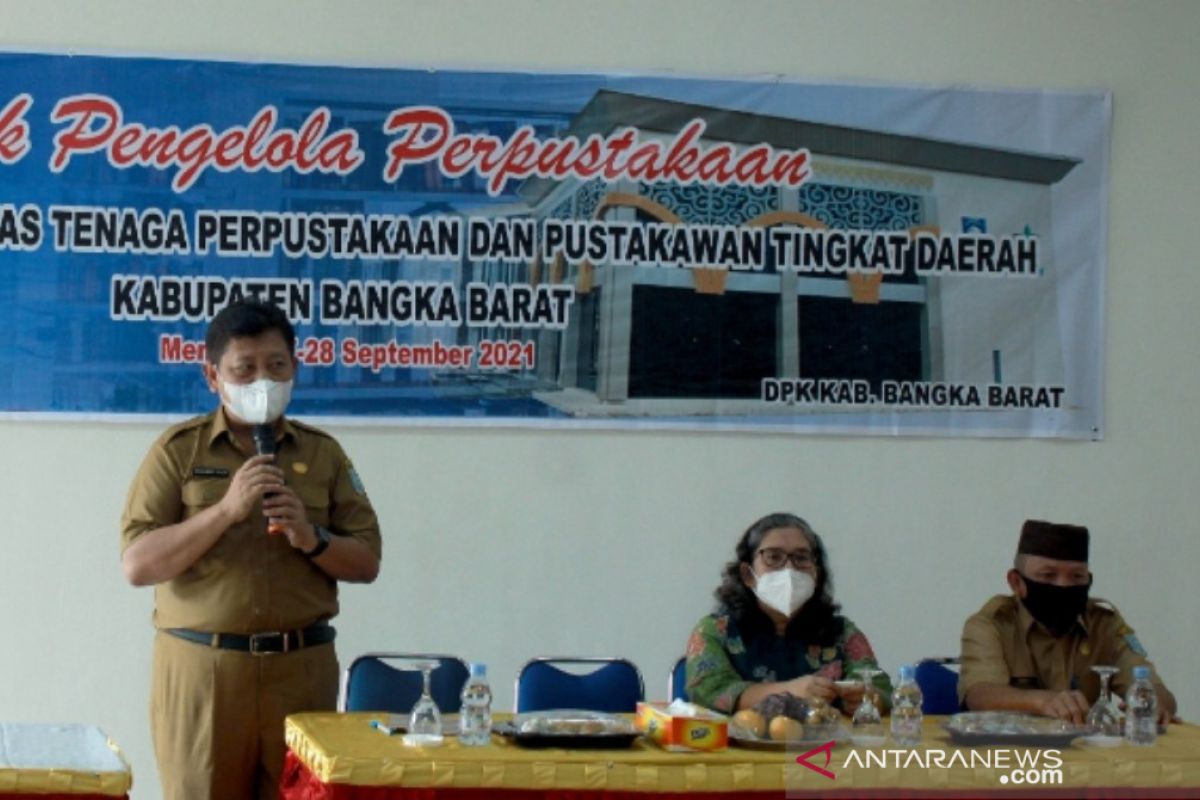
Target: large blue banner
x=556, y=249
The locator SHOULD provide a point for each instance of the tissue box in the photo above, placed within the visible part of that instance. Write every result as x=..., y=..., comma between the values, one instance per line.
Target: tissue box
x=683, y=726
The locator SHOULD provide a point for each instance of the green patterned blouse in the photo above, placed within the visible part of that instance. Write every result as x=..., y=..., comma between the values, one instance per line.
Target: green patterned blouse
x=721, y=663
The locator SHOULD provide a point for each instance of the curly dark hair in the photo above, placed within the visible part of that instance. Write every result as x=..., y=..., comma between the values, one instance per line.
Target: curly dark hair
x=816, y=622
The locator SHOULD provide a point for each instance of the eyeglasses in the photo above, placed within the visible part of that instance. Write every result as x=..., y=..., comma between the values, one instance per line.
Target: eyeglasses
x=776, y=557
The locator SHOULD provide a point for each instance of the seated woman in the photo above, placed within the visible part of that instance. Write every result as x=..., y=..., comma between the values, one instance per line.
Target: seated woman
x=776, y=627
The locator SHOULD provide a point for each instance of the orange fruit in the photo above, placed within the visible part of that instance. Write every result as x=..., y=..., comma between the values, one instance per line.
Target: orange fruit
x=752, y=721
x=785, y=729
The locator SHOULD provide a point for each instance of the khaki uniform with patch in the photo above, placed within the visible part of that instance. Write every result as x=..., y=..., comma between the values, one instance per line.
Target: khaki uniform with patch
x=1003, y=644
x=217, y=715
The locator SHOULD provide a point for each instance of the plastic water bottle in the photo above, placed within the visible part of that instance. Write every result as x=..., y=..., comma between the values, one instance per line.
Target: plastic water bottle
x=475, y=716
x=1141, y=709
x=907, y=718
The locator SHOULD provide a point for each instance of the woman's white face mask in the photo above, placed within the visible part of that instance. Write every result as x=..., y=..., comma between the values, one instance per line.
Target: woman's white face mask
x=784, y=590
x=259, y=402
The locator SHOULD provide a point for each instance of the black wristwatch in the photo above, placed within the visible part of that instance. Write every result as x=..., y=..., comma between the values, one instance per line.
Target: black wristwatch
x=322, y=542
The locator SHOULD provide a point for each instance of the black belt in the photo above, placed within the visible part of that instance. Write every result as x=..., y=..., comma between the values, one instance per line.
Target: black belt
x=261, y=644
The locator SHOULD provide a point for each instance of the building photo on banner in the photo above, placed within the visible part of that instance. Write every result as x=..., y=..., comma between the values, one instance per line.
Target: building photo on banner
x=725, y=384
x=557, y=250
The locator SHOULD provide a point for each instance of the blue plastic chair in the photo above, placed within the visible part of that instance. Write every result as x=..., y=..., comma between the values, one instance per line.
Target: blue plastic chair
x=677, y=681
x=370, y=683
x=614, y=685
x=939, y=685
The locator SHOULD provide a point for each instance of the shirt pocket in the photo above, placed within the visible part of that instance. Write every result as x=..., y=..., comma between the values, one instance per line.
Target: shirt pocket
x=316, y=502
x=198, y=495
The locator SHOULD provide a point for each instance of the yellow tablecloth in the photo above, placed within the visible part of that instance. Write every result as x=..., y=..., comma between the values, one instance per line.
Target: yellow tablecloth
x=61, y=759
x=344, y=749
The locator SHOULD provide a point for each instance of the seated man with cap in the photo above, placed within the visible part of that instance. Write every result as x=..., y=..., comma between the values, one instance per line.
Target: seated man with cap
x=1033, y=651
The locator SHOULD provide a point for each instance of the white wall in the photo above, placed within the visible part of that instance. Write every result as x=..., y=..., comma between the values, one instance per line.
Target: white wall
x=504, y=544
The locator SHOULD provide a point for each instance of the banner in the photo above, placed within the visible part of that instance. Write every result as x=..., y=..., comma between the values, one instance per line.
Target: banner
x=474, y=248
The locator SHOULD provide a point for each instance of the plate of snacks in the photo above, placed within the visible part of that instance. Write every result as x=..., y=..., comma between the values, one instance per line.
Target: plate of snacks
x=783, y=722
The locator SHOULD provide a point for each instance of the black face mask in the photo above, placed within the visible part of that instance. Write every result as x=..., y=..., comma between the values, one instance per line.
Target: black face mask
x=1056, y=607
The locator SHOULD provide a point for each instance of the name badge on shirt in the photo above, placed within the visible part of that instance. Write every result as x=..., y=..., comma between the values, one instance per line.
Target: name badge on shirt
x=210, y=472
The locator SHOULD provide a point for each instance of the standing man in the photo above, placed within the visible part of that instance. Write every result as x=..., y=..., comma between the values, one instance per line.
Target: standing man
x=244, y=552
x=1033, y=651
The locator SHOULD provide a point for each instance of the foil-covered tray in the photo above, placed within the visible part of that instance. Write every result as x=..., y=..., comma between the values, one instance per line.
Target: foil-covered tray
x=1010, y=728
x=568, y=728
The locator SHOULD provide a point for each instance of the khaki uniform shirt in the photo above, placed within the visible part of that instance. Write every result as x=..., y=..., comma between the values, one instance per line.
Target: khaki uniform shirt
x=1003, y=644
x=249, y=581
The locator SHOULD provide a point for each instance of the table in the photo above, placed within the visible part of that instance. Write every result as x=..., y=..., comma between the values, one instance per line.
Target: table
x=341, y=757
x=60, y=761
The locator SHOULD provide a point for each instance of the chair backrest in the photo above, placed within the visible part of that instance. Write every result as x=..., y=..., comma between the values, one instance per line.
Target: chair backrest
x=387, y=682
x=613, y=685
x=677, y=680
x=939, y=685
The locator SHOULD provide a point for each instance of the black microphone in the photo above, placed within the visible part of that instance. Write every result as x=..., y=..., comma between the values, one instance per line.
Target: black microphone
x=264, y=439
x=264, y=445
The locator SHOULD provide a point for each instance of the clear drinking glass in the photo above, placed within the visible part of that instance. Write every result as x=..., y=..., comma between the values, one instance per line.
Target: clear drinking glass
x=425, y=719
x=1104, y=718
x=866, y=726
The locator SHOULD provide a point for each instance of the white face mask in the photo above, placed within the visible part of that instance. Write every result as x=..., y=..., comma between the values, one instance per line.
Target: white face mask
x=784, y=590
x=259, y=402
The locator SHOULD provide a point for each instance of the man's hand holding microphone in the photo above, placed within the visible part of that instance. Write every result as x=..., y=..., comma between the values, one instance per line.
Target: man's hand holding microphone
x=259, y=479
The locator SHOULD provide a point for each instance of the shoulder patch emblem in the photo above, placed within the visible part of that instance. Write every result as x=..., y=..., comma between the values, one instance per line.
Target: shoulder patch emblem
x=356, y=481
x=1132, y=641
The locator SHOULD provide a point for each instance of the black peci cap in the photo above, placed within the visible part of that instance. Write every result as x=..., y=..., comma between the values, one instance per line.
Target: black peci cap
x=1052, y=540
